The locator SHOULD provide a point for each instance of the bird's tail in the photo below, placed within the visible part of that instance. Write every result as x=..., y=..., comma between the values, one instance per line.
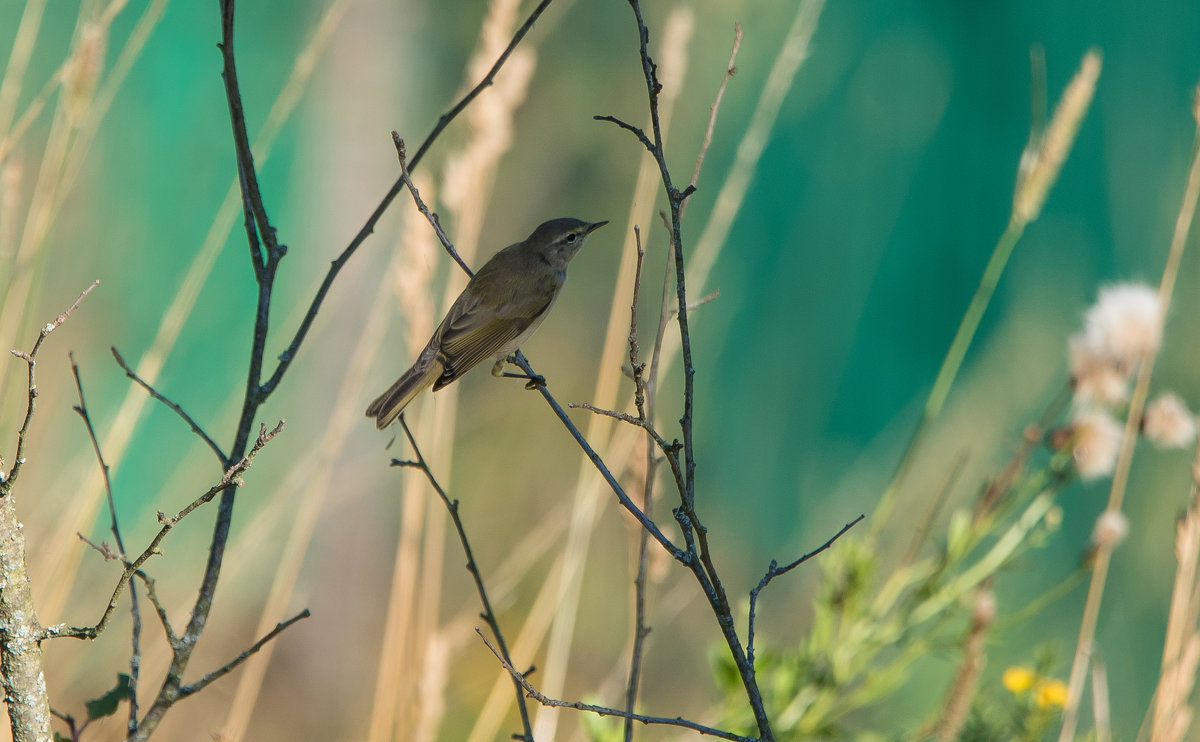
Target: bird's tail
x=391, y=403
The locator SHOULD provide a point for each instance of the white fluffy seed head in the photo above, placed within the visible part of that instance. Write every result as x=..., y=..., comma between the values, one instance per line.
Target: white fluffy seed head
x=1096, y=438
x=1168, y=422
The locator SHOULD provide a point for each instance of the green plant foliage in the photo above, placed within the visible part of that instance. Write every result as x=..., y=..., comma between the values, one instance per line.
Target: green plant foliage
x=107, y=704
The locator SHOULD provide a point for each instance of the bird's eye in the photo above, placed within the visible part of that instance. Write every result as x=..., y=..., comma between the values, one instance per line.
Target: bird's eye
x=571, y=237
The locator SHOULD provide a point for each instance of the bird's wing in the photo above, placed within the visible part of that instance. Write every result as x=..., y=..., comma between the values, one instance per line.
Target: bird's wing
x=473, y=334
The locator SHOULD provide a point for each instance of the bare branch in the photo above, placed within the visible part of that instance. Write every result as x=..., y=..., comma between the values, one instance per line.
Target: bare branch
x=670, y=450
x=679, y=554
x=8, y=479
x=208, y=441
x=159, y=608
x=228, y=667
x=635, y=130
x=21, y=665
x=774, y=570
x=406, y=177
x=730, y=71
x=680, y=722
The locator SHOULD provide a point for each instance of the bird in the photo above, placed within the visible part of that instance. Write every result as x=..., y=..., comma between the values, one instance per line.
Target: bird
x=497, y=311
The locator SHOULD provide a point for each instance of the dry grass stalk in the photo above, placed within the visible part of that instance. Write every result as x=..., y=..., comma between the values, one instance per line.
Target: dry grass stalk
x=1183, y=221
x=11, y=174
x=1043, y=159
x=1172, y=714
x=1101, y=706
x=733, y=191
x=471, y=173
x=18, y=61
x=86, y=99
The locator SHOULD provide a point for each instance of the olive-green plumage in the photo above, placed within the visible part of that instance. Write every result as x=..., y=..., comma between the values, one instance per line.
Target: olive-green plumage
x=497, y=311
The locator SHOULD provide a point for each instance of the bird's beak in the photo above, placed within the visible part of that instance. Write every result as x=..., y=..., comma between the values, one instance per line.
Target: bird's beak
x=593, y=227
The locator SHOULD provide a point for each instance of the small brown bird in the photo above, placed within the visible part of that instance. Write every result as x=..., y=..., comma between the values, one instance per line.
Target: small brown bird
x=497, y=311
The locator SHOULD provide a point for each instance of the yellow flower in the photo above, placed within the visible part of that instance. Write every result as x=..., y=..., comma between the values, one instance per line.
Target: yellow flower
x=1050, y=693
x=1018, y=679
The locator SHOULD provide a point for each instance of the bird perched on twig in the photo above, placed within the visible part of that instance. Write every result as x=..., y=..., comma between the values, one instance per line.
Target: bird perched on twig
x=498, y=310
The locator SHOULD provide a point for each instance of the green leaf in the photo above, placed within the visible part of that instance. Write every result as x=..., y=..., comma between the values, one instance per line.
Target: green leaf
x=60, y=737
x=106, y=705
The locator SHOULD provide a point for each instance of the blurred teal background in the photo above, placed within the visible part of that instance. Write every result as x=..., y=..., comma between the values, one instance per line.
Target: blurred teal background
x=887, y=178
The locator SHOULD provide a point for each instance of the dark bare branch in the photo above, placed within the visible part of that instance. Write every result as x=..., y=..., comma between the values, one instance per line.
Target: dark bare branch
x=774, y=570
x=191, y=421
x=228, y=667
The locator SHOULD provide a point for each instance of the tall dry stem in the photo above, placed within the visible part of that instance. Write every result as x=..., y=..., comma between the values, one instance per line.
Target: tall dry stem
x=1091, y=609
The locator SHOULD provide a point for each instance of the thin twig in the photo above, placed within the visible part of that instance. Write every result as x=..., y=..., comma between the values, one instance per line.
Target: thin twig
x=679, y=554
x=637, y=131
x=21, y=657
x=700, y=302
x=488, y=614
x=199, y=685
x=520, y=679
x=406, y=177
x=670, y=450
x=774, y=570
x=159, y=608
x=637, y=368
x=68, y=719
x=640, y=628
x=9, y=478
x=135, y=654
x=191, y=421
